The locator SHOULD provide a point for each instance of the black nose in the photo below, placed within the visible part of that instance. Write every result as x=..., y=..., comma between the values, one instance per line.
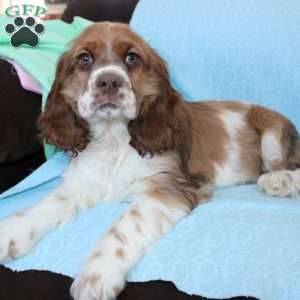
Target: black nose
x=109, y=83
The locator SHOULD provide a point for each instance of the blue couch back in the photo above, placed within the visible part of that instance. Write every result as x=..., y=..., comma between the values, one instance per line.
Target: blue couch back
x=233, y=49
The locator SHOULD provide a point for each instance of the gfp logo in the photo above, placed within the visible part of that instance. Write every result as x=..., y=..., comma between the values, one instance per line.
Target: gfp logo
x=25, y=10
x=24, y=29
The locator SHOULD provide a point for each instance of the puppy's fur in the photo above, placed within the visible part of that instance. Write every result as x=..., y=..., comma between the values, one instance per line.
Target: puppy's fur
x=132, y=135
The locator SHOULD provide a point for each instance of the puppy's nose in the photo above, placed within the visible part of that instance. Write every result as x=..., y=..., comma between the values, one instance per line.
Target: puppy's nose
x=109, y=83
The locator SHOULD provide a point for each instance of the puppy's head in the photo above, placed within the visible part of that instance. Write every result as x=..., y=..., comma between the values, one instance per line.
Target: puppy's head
x=108, y=73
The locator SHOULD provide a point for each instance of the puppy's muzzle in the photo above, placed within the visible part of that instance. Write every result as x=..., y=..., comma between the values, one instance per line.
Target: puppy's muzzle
x=109, y=83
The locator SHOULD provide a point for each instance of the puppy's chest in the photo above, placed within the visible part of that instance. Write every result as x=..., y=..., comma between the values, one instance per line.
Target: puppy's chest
x=112, y=169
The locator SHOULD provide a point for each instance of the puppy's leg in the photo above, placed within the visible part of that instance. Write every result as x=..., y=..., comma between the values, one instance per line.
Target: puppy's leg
x=282, y=161
x=104, y=273
x=21, y=231
x=280, y=152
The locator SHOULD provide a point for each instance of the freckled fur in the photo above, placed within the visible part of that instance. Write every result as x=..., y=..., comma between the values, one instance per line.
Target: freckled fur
x=135, y=213
x=20, y=214
x=12, y=249
x=118, y=235
x=120, y=253
x=32, y=235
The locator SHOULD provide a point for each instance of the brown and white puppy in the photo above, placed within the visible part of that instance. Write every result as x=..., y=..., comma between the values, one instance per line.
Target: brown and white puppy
x=112, y=106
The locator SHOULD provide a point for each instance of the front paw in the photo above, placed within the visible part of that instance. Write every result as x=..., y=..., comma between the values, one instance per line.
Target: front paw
x=97, y=282
x=17, y=237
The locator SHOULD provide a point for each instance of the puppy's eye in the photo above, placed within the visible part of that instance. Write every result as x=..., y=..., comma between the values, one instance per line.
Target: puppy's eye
x=85, y=59
x=131, y=59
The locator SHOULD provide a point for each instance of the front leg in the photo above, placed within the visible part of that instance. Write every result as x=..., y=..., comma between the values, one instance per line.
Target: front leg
x=104, y=273
x=20, y=232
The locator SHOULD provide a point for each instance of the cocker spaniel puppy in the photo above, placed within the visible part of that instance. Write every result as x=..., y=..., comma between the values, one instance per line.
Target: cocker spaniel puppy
x=131, y=134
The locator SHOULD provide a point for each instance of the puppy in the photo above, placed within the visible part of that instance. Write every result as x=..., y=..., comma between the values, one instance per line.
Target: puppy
x=131, y=135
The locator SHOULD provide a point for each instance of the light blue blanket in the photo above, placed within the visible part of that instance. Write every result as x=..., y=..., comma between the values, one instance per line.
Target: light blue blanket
x=241, y=242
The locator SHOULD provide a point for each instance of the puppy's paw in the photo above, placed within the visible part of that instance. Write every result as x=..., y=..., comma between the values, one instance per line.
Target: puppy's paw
x=98, y=281
x=281, y=183
x=17, y=237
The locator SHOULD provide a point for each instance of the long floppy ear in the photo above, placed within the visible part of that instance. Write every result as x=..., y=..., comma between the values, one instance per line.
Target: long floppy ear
x=162, y=126
x=59, y=124
x=162, y=123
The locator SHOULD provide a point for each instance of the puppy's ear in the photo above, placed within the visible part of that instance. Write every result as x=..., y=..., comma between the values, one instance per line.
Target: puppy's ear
x=59, y=124
x=161, y=126
x=161, y=123
x=151, y=131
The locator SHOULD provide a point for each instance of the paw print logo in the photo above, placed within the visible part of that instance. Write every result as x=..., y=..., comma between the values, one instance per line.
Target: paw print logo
x=24, y=31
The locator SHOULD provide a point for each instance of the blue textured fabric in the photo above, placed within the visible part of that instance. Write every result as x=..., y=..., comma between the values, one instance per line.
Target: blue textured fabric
x=233, y=49
x=241, y=242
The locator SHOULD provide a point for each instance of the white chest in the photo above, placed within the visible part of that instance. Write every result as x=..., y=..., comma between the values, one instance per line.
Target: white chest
x=109, y=169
